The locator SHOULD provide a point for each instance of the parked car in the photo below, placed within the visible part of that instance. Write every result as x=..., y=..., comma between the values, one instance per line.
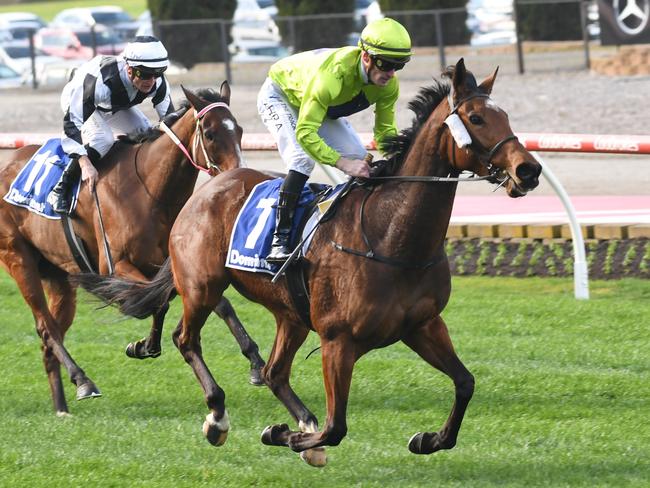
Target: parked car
x=269, y=7
x=83, y=18
x=19, y=25
x=252, y=22
x=9, y=78
x=146, y=25
x=256, y=51
x=104, y=40
x=63, y=43
x=18, y=57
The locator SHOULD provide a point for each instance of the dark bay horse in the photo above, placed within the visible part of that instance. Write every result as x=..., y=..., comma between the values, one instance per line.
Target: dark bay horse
x=142, y=188
x=359, y=301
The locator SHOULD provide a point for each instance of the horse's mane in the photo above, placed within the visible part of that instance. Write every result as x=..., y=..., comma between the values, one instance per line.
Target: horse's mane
x=428, y=98
x=154, y=133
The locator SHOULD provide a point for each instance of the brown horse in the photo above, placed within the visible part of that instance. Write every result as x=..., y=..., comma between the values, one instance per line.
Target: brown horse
x=142, y=188
x=360, y=300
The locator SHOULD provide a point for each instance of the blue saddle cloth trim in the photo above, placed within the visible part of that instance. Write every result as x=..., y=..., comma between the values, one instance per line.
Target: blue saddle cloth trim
x=35, y=181
x=252, y=234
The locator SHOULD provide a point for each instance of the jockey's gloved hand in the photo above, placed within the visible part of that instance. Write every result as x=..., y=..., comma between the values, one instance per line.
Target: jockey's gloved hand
x=169, y=119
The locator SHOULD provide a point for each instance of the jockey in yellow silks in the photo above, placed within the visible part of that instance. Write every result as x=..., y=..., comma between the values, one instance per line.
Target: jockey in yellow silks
x=304, y=102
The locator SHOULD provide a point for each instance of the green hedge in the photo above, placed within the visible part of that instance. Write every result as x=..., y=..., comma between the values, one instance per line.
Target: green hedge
x=316, y=33
x=422, y=28
x=550, y=22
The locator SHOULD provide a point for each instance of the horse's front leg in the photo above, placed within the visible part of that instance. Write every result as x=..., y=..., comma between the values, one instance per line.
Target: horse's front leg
x=338, y=357
x=288, y=339
x=433, y=344
x=187, y=337
x=247, y=345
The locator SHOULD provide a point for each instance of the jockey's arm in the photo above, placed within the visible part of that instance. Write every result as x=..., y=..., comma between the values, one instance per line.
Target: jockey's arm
x=311, y=116
x=162, y=100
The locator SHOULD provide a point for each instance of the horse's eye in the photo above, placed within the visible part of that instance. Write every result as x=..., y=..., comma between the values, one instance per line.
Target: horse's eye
x=476, y=119
x=209, y=135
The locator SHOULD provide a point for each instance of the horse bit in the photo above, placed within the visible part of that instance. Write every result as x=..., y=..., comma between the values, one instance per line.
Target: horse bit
x=198, y=132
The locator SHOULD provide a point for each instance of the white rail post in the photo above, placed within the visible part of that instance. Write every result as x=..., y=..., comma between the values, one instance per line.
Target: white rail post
x=580, y=270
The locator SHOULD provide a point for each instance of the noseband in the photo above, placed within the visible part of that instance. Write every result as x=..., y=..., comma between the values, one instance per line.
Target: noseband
x=197, y=139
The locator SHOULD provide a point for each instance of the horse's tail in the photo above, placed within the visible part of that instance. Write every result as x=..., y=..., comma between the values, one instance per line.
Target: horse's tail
x=138, y=299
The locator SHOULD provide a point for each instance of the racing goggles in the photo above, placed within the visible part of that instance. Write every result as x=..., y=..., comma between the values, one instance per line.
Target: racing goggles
x=147, y=74
x=386, y=65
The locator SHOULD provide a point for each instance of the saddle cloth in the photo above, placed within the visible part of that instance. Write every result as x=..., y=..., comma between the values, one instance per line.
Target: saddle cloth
x=252, y=235
x=33, y=184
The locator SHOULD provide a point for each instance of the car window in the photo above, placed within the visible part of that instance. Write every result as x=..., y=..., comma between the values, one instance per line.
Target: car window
x=7, y=72
x=110, y=18
x=102, y=38
x=17, y=51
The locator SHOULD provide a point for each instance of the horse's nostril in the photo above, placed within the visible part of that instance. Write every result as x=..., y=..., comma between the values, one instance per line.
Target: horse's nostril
x=528, y=173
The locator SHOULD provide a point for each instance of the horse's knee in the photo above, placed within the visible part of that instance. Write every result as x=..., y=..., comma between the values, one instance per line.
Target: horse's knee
x=273, y=376
x=465, y=387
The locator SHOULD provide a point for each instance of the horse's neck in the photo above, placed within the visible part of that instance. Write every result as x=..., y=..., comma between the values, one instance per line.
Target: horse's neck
x=164, y=169
x=420, y=212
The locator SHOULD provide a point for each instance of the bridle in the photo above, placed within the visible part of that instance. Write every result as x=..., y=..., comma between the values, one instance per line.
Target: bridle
x=197, y=139
x=484, y=156
x=486, y=160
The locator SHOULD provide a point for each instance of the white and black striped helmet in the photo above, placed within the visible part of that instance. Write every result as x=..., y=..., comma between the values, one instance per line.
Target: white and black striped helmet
x=146, y=53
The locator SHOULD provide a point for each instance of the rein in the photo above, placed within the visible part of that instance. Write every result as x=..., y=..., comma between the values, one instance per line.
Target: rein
x=485, y=161
x=198, y=131
x=370, y=253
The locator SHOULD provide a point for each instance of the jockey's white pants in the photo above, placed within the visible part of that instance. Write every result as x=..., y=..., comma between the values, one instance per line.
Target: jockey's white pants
x=280, y=118
x=101, y=128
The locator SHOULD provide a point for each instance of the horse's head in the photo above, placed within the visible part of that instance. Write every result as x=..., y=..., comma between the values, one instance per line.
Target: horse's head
x=217, y=137
x=490, y=147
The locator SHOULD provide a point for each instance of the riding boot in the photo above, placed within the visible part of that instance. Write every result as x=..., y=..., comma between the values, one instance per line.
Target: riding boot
x=60, y=194
x=289, y=194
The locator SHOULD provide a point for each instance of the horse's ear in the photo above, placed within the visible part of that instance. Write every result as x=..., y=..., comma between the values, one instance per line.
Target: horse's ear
x=460, y=74
x=194, y=100
x=488, y=82
x=224, y=91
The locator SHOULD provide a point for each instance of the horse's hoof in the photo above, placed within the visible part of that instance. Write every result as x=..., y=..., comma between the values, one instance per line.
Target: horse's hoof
x=216, y=431
x=424, y=443
x=272, y=435
x=62, y=414
x=137, y=350
x=256, y=377
x=316, y=457
x=88, y=390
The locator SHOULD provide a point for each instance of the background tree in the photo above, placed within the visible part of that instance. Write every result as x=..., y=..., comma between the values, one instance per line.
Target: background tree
x=422, y=28
x=193, y=43
x=314, y=33
x=550, y=21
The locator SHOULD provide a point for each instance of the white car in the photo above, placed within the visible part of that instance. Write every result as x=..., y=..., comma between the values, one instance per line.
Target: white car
x=10, y=78
x=18, y=57
x=257, y=51
x=19, y=25
x=252, y=22
x=82, y=18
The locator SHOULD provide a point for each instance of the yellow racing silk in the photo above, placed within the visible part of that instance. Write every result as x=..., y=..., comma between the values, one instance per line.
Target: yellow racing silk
x=332, y=83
